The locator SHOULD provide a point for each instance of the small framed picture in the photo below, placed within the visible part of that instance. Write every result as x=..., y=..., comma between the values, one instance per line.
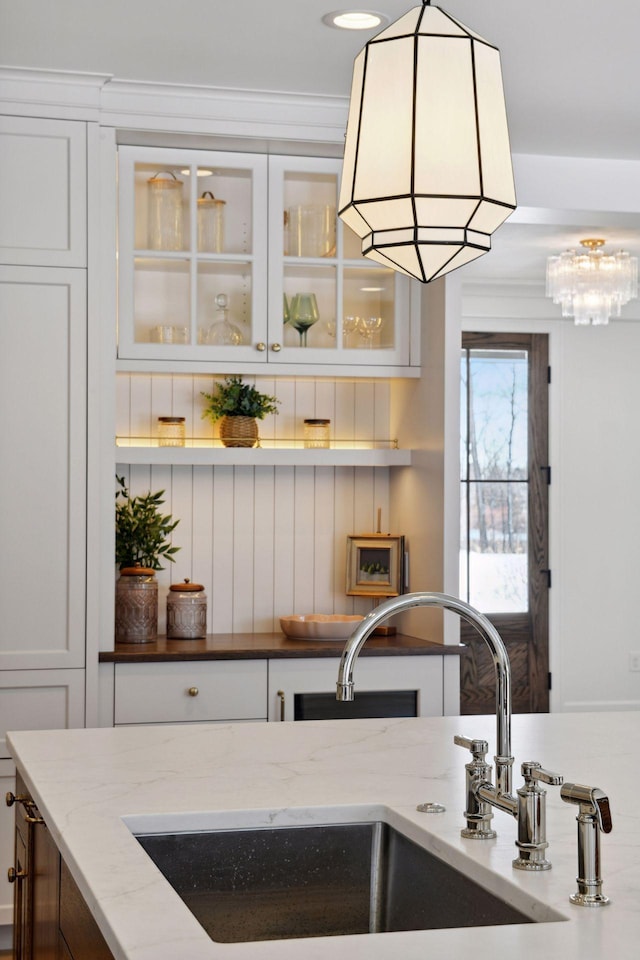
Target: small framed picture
x=375, y=565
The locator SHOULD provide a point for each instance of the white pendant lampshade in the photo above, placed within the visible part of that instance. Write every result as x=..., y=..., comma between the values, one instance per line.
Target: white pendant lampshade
x=427, y=173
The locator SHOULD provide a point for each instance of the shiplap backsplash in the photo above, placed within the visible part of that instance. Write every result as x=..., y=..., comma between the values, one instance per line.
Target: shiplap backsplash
x=265, y=541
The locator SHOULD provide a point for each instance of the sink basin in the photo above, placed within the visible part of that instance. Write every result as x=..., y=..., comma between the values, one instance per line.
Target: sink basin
x=318, y=881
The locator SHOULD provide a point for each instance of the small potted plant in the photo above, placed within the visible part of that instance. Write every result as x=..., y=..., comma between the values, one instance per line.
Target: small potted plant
x=142, y=541
x=238, y=405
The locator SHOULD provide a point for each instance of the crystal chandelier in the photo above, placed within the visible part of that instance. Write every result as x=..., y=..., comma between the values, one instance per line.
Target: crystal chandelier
x=592, y=285
x=427, y=174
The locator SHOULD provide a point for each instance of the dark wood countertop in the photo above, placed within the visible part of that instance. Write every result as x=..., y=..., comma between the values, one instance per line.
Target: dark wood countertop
x=269, y=646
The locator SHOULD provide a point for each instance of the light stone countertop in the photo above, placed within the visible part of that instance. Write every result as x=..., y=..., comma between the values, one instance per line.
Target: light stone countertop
x=94, y=787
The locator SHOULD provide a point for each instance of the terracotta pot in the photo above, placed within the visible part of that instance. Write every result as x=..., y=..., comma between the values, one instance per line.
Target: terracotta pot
x=239, y=431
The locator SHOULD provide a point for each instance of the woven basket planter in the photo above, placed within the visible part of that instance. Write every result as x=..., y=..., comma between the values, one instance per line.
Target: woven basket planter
x=239, y=431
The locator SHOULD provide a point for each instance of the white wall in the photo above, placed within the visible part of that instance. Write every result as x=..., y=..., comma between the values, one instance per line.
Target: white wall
x=594, y=517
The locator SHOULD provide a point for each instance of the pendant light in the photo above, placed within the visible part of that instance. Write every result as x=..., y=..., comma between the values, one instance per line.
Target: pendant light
x=592, y=285
x=427, y=174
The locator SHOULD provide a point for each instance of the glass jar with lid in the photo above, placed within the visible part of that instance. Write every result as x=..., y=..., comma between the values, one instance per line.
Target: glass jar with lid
x=171, y=431
x=165, y=214
x=136, y=605
x=186, y=611
x=316, y=434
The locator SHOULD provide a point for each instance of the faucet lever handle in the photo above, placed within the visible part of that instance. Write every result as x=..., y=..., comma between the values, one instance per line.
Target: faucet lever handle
x=477, y=748
x=532, y=771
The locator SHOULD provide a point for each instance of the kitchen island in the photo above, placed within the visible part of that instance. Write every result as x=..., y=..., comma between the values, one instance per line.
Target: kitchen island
x=96, y=788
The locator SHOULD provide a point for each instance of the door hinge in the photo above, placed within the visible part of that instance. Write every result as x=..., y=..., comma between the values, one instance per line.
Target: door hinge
x=548, y=573
x=549, y=680
x=547, y=469
x=548, y=374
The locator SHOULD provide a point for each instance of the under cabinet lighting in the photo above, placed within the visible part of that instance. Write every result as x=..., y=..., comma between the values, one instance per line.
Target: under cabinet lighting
x=201, y=172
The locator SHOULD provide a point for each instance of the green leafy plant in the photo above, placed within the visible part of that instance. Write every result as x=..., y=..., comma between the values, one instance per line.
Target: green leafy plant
x=234, y=398
x=141, y=530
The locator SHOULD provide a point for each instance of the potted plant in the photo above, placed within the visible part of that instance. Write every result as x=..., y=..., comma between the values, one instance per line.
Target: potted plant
x=238, y=405
x=142, y=541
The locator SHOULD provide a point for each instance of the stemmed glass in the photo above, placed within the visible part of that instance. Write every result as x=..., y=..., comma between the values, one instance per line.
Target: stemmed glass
x=368, y=327
x=349, y=326
x=303, y=313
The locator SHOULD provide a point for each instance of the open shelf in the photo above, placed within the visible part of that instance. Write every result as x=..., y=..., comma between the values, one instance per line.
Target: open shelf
x=213, y=453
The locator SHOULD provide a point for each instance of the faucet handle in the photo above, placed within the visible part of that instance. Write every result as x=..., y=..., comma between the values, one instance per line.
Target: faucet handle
x=478, y=748
x=478, y=813
x=532, y=771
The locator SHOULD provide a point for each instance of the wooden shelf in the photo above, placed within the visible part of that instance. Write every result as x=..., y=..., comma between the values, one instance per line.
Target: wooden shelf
x=262, y=456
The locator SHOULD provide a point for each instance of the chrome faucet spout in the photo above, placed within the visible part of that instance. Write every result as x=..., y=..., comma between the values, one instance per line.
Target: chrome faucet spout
x=353, y=646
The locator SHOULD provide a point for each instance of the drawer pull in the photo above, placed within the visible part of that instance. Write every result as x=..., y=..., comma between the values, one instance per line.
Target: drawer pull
x=193, y=691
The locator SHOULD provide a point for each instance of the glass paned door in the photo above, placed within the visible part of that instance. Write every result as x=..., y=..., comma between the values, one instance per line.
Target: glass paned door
x=495, y=476
x=504, y=470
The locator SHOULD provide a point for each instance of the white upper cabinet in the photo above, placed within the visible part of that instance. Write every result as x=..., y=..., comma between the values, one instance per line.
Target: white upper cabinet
x=192, y=255
x=229, y=259
x=43, y=192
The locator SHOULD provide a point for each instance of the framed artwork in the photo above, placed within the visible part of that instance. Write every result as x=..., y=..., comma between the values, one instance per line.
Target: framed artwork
x=375, y=565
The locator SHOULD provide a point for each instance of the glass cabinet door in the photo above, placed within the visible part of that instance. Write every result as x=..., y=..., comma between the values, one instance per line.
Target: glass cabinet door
x=327, y=303
x=192, y=255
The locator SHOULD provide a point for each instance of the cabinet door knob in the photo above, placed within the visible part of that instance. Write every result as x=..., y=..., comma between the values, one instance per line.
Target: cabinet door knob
x=261, y=346
x=193, y=691
x=276, y=347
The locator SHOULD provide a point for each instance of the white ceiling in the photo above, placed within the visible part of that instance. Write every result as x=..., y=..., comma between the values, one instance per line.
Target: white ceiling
x=571, y=73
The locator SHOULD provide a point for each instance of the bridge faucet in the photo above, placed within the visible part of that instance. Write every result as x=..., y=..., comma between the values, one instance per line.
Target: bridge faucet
x=353, y=646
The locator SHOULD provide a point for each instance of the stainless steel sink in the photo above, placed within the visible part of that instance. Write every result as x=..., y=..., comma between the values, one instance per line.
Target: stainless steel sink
x=318, y=881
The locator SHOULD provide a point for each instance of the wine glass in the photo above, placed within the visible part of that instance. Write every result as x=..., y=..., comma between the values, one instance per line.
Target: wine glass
x=303, y=313
x=349, y=325
x=368, y=327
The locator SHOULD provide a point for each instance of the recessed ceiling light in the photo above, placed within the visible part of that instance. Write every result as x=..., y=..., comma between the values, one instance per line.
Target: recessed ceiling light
x=354, y=19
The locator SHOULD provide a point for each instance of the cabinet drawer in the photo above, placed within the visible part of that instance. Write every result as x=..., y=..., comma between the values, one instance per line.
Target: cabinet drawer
x=166, y=692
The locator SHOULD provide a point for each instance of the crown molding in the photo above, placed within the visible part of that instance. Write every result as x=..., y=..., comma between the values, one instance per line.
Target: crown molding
x=51, y=93
x=176, y=108
x=224, y=111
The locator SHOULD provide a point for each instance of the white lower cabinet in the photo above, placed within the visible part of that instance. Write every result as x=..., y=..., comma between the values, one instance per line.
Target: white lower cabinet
x=31, y=700
x=193, y=691
x=421, y=675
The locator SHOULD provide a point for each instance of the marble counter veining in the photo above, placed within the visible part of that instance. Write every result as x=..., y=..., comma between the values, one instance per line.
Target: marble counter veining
x=94, y=787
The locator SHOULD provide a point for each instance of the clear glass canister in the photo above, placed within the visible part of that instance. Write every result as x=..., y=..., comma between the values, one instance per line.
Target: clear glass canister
x=171, y=432
x=136, y=605
x=316, y=434
x=165, y=214
x=186, y=611
x=210, y=223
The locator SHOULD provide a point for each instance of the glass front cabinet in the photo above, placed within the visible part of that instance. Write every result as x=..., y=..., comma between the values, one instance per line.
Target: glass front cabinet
x=238, y=258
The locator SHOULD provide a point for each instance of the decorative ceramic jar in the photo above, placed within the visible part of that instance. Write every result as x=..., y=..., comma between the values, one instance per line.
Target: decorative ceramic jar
x=136, y=605
x=186, y=611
